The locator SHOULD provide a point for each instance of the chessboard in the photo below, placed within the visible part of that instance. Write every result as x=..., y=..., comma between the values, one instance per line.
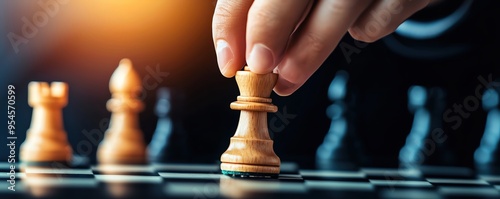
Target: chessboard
x=206, y=181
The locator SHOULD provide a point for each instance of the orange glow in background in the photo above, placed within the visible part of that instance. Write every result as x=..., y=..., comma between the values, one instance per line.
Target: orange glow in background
x=90, y=37
x=168, y=41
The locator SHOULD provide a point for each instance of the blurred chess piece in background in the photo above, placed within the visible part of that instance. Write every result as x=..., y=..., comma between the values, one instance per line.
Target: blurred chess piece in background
x=169, y=141
x=487, y=155
x=46, y=140
x=340, y=149
x=123, y=142
x=424, y=144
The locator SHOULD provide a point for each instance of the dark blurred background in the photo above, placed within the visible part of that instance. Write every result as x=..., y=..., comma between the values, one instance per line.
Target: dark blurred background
x=83, y=41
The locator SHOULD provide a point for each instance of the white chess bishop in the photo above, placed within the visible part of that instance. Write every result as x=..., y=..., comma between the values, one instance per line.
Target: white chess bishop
x=123, y=142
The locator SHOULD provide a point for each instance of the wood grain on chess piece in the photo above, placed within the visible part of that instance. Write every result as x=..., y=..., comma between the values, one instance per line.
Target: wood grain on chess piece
x=250, y=153
x=46, y=139
x=123, y=142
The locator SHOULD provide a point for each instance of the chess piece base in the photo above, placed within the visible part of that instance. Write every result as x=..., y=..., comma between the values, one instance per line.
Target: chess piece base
x=46, y=155
x=247, y=170
x=48, y=150
x=118, y=150
x=120, y=157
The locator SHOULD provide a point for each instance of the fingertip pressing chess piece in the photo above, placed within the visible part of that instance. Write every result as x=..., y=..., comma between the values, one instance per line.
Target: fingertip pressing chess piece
x=46, y=139
x=250, y=152
x=123, y=142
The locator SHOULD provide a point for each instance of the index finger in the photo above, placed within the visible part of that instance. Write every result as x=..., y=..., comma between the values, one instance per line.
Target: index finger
x=228, y=32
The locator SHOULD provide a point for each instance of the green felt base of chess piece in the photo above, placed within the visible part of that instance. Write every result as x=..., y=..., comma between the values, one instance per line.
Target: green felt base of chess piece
x=239, y=174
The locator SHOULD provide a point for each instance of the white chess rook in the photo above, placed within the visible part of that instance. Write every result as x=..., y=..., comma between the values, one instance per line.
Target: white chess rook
x=46, y=139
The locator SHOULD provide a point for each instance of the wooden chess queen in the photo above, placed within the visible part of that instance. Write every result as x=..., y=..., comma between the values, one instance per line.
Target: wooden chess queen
x=250, y=153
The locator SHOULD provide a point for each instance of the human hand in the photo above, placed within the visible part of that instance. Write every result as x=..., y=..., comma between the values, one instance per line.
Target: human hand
x=294, y=37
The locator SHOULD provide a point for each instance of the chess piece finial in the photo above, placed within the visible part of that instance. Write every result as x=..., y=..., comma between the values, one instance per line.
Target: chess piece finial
x=125, y=79
x=123, y=142
x=250, y=152
x=46, y=139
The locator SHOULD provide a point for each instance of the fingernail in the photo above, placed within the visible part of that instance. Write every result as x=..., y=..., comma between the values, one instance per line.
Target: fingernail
x=354, y=33
x=284, y=87
x=224, y=55
x=261, y=59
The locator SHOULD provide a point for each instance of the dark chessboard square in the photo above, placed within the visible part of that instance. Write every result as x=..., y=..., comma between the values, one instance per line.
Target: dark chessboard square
x=129, y=179
x=58, y=175
x=320, y=178
x=458, y=182
x=187, y=168
x=393, y=184
x=140, y=170
x=325, y=175
x=394, y=178
x=392, y=173
x=409, y=194
x=138, y=173
x=234, y=188
x=448, y=172
x=339, y=185
x=340, y=194
x=190, y=177
x=469, y=192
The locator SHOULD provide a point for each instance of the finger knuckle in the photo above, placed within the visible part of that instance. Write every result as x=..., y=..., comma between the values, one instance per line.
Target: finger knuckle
x=221, y=20
x=263, y=16
x=341, y=5
x=371, y=31
x=223, y=9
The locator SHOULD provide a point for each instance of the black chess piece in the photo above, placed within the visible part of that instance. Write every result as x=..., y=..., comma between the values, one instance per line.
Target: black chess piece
x=169, y=142
x=427, y=106
x=339, y=149
x=488, y=153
